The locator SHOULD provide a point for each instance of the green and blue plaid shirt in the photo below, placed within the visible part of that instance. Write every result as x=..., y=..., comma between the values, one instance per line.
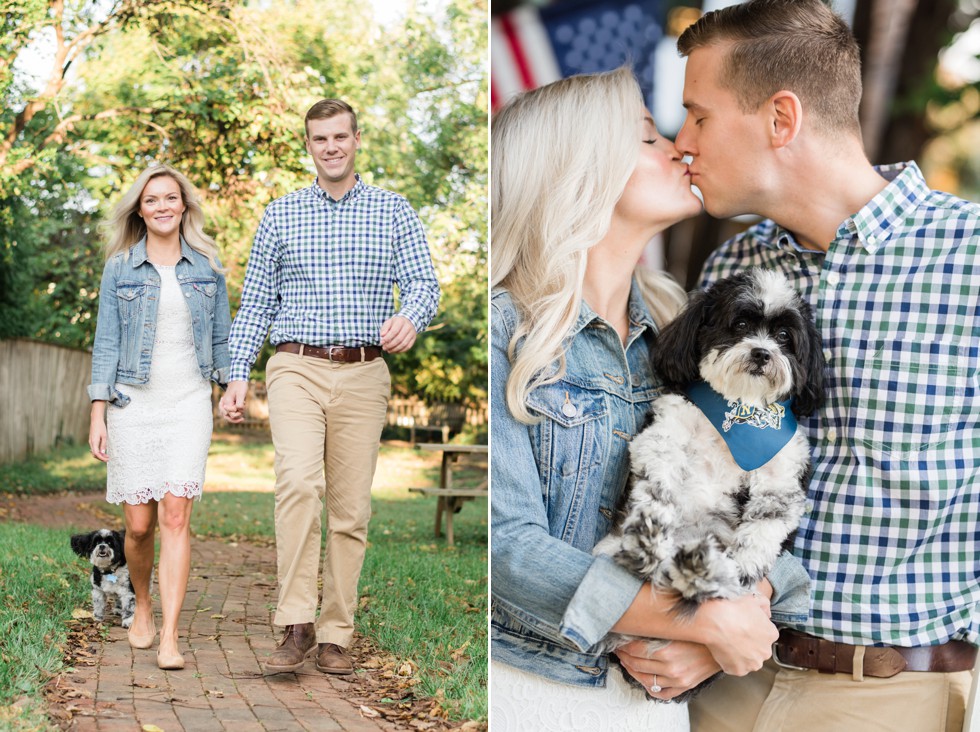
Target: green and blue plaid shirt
x=891, y=537
x=323, y=272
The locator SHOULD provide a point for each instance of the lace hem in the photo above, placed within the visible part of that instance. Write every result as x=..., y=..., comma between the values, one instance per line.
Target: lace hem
x=186, y=489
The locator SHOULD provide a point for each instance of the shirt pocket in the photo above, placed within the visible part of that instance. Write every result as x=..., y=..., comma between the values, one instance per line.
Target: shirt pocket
x=571, y=446
x=206, y=291
x=130, y=300
x=912, y=396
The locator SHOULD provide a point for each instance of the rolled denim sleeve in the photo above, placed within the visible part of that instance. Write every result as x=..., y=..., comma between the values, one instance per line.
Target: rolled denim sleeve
x=221, y=361
x=561, y=593
x=105, y=349
x=790, y=590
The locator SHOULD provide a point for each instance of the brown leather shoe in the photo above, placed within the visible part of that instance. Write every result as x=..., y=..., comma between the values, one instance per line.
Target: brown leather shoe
x=332, y=659
x=295, y=646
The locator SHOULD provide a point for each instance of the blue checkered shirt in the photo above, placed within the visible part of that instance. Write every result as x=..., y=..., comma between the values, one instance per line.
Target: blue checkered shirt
x=891, y=537
x=323, y=272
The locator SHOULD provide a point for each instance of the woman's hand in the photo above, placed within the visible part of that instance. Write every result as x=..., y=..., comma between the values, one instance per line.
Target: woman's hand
x=738, y=633
x=98, y=435
x=675, y=667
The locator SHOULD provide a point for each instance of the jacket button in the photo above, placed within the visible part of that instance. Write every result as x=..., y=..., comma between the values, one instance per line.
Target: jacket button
x=568, y=409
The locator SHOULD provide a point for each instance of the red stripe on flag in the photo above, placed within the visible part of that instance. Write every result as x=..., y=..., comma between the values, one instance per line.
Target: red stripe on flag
x=520, y=61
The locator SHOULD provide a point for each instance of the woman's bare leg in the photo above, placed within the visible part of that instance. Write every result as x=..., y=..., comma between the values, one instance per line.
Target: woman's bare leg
x=175, y=566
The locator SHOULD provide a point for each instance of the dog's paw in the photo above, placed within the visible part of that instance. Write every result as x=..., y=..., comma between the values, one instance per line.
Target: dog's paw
x=100, y=617
x=702, y=571
x=126, y=622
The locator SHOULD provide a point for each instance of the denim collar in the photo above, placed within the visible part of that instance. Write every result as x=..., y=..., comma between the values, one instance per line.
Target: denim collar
x=638, y=314
x=138, y=252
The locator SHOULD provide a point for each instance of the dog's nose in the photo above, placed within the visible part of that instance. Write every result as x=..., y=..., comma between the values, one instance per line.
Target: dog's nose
x=761, y=356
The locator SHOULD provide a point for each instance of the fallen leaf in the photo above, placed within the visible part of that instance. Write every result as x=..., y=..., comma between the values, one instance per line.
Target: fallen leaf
x=368, y=712
x=217, y=617
x=151, y=728
x=80, y=613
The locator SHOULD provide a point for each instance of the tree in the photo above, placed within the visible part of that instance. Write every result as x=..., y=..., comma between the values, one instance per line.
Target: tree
x=219, y=89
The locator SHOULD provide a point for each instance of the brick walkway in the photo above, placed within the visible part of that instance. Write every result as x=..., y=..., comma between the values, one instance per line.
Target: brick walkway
x=227, y=619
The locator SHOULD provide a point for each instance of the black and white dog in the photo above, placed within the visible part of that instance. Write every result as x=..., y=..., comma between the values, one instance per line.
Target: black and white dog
x=110, y=575
x=719, y=474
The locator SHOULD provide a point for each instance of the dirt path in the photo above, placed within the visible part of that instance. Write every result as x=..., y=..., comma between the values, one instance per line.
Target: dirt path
x=227, y=618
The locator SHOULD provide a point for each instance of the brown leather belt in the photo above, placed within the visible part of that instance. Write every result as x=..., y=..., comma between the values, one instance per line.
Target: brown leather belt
x=333, y=353
x=801, y=651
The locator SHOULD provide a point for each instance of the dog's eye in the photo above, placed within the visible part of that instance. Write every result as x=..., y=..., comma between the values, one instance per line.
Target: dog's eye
x=740, y=325
x=783, y=336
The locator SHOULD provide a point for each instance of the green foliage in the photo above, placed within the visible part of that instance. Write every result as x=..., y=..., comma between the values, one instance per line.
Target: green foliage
x=40, y=585
x=219, y=89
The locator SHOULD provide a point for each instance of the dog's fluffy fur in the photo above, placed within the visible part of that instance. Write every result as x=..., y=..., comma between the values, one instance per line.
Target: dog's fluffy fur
x=104, y=549
x=693, y=521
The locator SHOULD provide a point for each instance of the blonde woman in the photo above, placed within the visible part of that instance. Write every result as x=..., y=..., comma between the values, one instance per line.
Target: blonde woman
x=582, y=180
x=161, y=337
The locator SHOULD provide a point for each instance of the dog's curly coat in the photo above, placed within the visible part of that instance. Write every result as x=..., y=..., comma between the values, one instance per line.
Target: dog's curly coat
x=693, y=521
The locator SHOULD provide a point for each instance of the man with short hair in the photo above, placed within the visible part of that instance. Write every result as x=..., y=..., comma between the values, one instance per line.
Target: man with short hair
x=890, y=538
x=323, y=267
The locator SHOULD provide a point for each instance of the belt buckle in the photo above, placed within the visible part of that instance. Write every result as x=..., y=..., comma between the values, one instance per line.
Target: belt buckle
x=331, y=349
x=781, y=664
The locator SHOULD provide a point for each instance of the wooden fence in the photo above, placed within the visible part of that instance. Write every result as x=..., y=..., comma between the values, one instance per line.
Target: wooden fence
x=43, y=401
x=42, y=397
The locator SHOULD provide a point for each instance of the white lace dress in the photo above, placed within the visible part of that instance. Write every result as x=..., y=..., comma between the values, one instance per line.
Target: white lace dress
x=159, y=442
x=525, y=702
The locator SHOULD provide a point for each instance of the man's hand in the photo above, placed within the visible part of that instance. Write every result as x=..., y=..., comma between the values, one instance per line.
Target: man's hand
x=397, y=334
x=232, y=404
x=675, y=668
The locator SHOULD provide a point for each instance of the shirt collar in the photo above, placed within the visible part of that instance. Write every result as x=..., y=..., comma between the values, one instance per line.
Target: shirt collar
x=138, y=253
x=353, y=193
x=872, y=223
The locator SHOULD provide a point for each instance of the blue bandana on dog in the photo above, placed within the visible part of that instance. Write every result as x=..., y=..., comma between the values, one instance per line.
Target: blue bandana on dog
x=753, y=436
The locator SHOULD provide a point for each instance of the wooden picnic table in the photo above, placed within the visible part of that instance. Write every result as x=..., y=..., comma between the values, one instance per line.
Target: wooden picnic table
x=451, y=499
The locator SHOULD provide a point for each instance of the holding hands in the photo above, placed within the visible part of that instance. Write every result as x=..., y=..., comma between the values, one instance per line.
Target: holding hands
x=232, y=404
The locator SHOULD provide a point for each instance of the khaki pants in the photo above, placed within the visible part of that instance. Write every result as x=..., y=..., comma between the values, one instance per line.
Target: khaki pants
x=775, y=699
x=326, y=420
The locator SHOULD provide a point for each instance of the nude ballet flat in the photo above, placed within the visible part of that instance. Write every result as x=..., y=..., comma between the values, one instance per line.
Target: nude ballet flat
x=142, y=641
x=170, y=663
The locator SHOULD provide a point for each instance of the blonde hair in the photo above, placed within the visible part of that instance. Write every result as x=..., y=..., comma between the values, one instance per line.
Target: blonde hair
x=561, y=156
x=798, y=45
x=127, y=227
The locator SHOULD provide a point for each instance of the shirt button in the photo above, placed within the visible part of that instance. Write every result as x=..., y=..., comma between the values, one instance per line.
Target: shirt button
x=827, y=354
x=832, y=435
x=833, y=279
x=568, y=409
x=636, y=380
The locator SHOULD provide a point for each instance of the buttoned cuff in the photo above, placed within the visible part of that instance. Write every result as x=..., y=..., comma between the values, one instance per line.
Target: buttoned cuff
x=604, y=595
x=238, y=371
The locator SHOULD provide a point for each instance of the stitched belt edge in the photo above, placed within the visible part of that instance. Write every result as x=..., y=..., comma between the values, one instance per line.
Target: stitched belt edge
x=802, y=651
x=341, y=354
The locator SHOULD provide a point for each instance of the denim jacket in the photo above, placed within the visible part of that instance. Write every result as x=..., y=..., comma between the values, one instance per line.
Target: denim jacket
x=556, y=486
x=128, y=301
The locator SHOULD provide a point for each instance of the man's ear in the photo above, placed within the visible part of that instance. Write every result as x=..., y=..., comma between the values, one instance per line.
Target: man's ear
x=786, y=117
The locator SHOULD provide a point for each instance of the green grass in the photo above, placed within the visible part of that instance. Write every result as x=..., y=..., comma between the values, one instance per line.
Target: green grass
x=69, y=468
x=421, y=601
x=40, y=584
